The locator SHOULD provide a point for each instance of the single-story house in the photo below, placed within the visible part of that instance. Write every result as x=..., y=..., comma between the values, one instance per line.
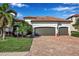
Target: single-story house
x=45, y=25
x=10, y=31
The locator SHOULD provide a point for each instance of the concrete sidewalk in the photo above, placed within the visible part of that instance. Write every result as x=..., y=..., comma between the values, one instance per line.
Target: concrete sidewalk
x=14, y=53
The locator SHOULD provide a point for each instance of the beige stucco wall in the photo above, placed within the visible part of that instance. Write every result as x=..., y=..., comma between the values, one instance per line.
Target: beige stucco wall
x=52, y=24
x=49, y=24
x=44, y=24
x=73, y=22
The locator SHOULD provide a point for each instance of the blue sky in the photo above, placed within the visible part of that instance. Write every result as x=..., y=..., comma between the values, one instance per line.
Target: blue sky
x=60, y=10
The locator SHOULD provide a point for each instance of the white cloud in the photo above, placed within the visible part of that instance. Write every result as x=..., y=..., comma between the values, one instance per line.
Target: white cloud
x=19, y=15
x=71, y=4
x=45, y=9
x=19, y=5
x=64, y=8
x=75, y=11
x=68, y=15
x=71, y=14
x=64, y=15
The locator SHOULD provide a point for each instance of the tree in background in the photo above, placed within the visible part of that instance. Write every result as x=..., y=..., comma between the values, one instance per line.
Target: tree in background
x=6, y=17
x=23, y=28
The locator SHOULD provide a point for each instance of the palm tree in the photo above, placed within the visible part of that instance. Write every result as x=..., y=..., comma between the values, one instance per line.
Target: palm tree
x=6, y=17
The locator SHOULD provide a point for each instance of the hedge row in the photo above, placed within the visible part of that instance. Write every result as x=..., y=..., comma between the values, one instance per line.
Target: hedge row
x=75, y=33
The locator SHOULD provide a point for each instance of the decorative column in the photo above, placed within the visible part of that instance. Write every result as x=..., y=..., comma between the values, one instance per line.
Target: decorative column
x=33, y=32
x=56, y=31
x=57, y=28
x=69, y=31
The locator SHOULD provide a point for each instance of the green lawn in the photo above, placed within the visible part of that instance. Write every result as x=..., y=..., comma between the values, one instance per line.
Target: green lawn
x=12, y=44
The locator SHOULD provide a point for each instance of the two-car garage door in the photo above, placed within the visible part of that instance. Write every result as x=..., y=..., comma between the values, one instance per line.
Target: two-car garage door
x=46, y=31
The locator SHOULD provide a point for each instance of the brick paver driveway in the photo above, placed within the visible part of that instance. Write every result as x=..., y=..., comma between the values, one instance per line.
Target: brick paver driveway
x=55, y=46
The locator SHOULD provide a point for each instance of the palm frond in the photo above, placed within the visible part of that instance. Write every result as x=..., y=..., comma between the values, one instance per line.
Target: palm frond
x=12, y=11
x=0, y=8
x=1, y=21
x=9, y=18
x=5, y=6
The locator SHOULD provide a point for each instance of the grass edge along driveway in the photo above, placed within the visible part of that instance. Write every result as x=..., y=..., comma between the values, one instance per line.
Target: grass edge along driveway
x=12, y=44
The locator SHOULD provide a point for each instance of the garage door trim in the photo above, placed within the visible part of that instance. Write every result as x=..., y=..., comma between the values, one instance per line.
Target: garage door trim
x=62, y=31
x=49, y=33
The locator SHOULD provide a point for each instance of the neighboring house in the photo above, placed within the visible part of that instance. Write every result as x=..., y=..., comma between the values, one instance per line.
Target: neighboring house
x=10, y=31
x=73, y=18
x=49, y=25
x=13, y=30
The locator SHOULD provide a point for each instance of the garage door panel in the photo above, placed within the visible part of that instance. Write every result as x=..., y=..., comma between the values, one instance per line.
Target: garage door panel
x=45, y=31
x=63, y=31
